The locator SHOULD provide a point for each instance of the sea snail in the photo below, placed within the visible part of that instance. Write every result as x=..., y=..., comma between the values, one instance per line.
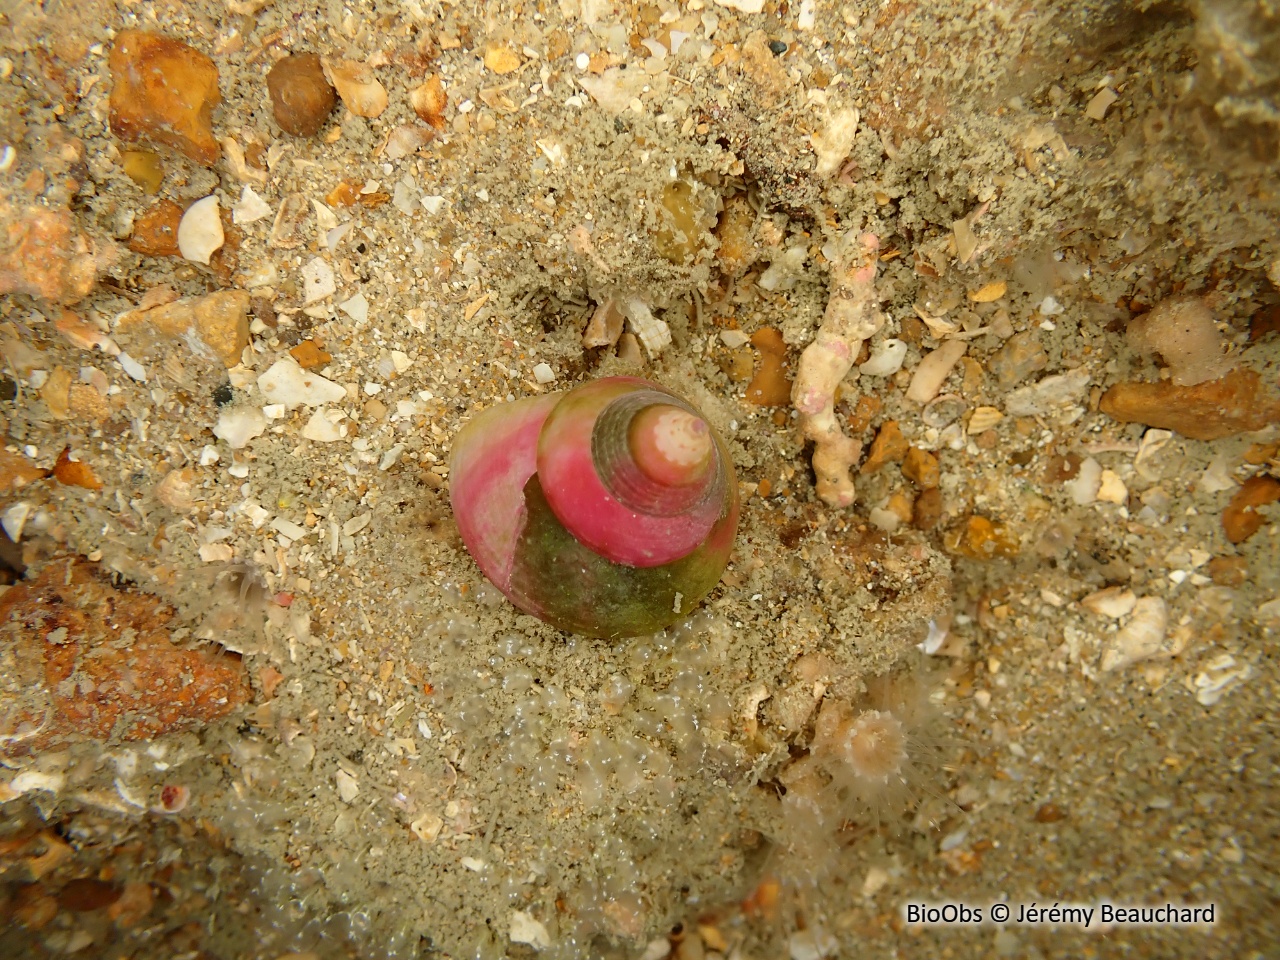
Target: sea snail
x=609, y=510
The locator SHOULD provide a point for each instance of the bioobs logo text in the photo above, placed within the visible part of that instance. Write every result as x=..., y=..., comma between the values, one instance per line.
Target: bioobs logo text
x=944, y=913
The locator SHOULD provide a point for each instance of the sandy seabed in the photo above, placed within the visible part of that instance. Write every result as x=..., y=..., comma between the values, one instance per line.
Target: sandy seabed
x=257, y=699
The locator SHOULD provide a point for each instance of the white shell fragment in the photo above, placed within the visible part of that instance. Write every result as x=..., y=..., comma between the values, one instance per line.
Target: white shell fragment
x=1218, y=677
x=348, y=788
x=357, y=308
x=1111, y=488
x=525, y=929
x=1140, y=639
x=983, y=419
x=652, y=332
x=1083, y=489
x=1057, y=395
x=427, y=827
x=200, y=231
x=286, y=382
x=250, y=207
x=933, y=371
x=1113, y=602
x=886, y=359
x=325, y=426
x=14, y=519
x=238, y=425
x=357, y=87
x=317, y=281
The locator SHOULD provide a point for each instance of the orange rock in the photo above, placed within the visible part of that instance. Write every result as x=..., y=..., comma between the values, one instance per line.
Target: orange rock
x=927, y=510
x=155, y=233
x=1241, y=519
x=218, y=320
x=770, y=387
x=88, y=404
x=96, y=661
x=429, y=101
x=864, y=411
x=75, y=473
x=1260, y=453
x=345, y=194
x=164, y=90
x=17, y=471
x=144, y=168
x=921, y=467
x=309, y=354
x=889, y=446
x=734, y=232
x=1207, y=411
x=980, y=539
x=901, y=505
x=42, y=254
x=1228, y=571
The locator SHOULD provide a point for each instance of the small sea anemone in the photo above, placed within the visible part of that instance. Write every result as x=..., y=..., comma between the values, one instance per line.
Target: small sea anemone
x=867, y=760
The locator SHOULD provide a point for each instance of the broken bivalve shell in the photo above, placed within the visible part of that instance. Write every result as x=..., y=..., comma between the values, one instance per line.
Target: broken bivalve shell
x=608, y=511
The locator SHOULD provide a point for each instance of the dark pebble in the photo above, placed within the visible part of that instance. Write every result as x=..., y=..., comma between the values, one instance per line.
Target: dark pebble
x=301, y=97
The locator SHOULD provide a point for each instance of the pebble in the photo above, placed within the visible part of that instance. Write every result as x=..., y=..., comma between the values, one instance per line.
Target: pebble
x=1111, y=488
x=218, y=321
x=155, y=233
x=238, y=425
x=934, y=369
x=17, y=471
x=429, y=101
x=543, y=373
x=43, y=254
x=164, y=90
x=138, y=687
x=301, y=97
x=200, y=233
x=1241, y=519
x=921, y=467
x=310, y=354
x=889, y=446
x=1021, y=356
x=734, y=230
x=1140, y=639
x=770, y=387
x=1060, y=394
x=144, y=168
x=359, y=89
x=927, y=509
x=1236, y=403
x=1113, y=602
x=980, y=539
x=286, y=382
